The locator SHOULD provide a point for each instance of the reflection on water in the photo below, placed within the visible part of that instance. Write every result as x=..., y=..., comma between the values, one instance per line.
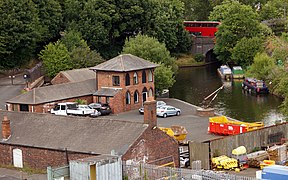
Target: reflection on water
x=195, y=83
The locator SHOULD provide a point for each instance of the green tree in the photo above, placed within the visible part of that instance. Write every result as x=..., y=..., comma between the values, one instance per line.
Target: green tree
x=19, y=28
x=197, y=9
x=164, y=78
x=71, y=52
x=152, y=50
x=55, y=58
x=106, y=24
x=262, y=67
x=245, y=50
x=50, y=18
x=237, y=21
x=274, y=9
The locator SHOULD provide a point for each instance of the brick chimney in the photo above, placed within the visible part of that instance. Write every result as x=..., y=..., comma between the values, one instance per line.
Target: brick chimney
x=150, y=114
x=6, y=130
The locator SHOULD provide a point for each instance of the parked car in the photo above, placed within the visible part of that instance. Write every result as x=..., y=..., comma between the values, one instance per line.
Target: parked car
x=72, y=108
x=94, y=113
x=103, y=108
x=165, y=111
x=158, y=104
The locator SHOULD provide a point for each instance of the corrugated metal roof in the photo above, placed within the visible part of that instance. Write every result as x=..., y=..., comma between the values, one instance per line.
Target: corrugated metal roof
x=56, y=92
x=107, y=92
x=80, y=134
x=124, y=63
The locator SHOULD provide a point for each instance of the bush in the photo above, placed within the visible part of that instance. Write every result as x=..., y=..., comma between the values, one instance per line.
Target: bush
x=199, y=57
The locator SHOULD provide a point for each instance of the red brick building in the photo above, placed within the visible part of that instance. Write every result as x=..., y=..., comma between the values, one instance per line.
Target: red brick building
x=74, y=75
x=125, y=82
x=42, y=99
x=38, y=140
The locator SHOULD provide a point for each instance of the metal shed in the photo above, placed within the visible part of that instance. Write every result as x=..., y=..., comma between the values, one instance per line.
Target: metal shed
x=102, y=167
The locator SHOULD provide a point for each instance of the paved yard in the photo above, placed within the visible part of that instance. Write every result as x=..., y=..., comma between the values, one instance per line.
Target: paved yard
x=195, y=125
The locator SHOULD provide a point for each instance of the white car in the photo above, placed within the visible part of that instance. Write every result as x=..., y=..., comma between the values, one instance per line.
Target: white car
x=158, y=104
x=93, y=112
x=165, y=111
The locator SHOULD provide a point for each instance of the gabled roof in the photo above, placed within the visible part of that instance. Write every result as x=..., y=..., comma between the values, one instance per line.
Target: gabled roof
x=77, y=75
x=106, y=91
x=124, y=63
x=56, y=92
x=80, y=134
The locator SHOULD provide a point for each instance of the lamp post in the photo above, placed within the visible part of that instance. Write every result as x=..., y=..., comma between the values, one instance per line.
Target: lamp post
x=12, y=77
x=25, y=76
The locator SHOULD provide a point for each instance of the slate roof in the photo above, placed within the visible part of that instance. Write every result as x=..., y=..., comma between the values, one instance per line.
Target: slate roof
x=125, y=63
x=77, y=75
x=80, y=134
x=55, y=92
x=107, y=92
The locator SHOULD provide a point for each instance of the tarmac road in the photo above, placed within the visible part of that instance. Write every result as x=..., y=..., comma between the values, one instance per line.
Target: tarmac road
x=196, y=126
x=8, y=91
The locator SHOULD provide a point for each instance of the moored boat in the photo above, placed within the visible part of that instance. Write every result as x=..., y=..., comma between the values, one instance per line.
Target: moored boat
x=237, y=72
x=225, y=72
x=255, y=86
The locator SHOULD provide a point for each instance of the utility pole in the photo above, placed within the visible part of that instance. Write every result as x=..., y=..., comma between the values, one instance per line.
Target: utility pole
x=12, y=77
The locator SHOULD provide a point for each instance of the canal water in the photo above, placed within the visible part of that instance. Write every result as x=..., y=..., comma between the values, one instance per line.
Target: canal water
x=193, y=84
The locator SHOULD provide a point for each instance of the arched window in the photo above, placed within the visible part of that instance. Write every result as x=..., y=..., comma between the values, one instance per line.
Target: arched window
x=143, y=76
x=128, y=98
x=150, y=76
x=135, y=78
x=150, y=92
x=127, y=79
x=136, y=97
x=144, y=94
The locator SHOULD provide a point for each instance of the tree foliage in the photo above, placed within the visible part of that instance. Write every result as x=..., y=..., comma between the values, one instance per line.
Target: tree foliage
x=55, y=58
x=274, y=9
x=106, y=24
x=50, y=18
x=164, y=78
x=71, y=52
x=237, y=21
x=244, y=51
x=262, y=66
x=152, y=50
x=19, y=30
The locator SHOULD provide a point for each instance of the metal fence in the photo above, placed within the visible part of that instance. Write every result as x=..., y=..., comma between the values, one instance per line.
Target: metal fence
x=153, y=172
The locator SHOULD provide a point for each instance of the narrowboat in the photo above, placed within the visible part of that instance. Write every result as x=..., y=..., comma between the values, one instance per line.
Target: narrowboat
x=225, y=72
x=255, y=86
x=237, y=72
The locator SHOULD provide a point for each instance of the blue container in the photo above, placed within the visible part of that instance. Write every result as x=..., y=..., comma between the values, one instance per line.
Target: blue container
x=275, y=172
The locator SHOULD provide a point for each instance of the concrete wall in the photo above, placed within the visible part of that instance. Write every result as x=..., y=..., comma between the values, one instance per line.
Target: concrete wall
x=260, y=138
x=152, y=146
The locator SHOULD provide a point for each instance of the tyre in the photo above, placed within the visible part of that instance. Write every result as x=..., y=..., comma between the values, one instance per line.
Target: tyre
x=178, y=113
x=164, y=115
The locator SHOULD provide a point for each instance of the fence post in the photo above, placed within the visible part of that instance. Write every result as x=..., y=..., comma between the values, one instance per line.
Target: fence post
x=49, y=173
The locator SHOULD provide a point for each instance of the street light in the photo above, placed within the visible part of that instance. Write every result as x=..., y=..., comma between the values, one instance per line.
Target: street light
x=25, y=76
x=12, y=77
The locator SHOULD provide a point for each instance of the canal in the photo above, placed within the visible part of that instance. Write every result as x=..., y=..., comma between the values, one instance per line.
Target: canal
x=193, y=84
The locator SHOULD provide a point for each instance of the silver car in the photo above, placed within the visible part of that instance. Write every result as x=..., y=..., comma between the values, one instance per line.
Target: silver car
x=165, y=111
x=158, y=104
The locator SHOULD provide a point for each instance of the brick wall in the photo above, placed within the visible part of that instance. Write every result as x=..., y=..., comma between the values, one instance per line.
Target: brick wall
x=38, y=158
x=152, y=146
x=45, y=107
x=60, y=79
x=118, y=102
